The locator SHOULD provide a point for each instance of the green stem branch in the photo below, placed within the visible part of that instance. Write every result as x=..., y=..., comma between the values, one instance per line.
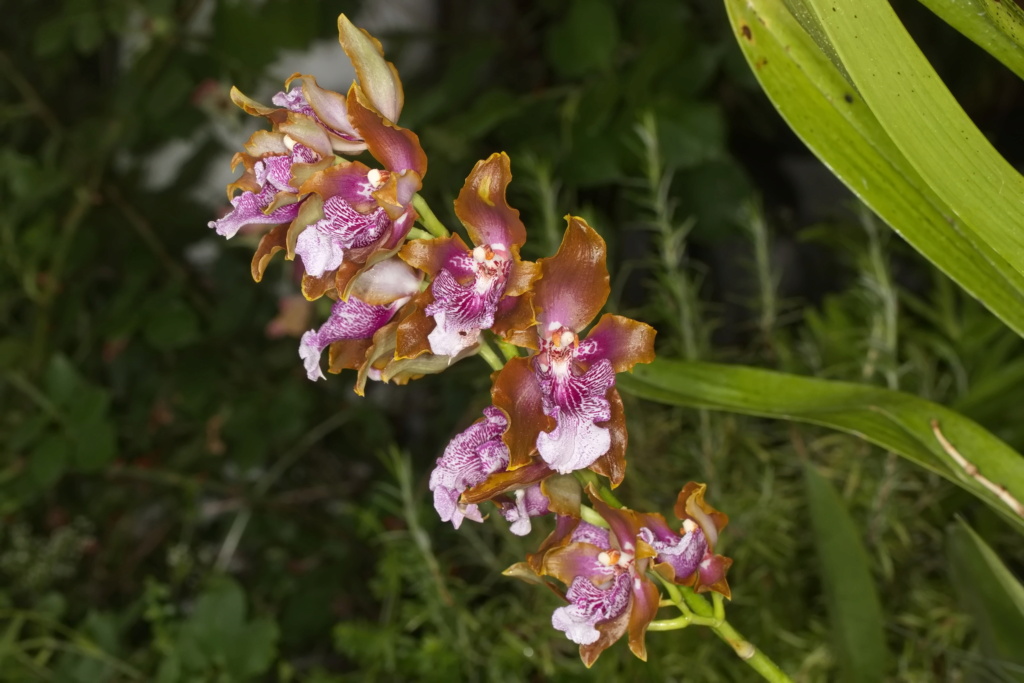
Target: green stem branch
x=491, y=356
x=428, y=219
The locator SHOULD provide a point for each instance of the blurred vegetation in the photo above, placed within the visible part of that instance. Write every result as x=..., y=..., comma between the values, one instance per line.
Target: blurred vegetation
x=180, y=504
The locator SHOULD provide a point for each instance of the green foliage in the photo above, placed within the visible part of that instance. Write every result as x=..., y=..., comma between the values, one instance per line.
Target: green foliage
x=990, y=592
x=916, y=429
x=217, y=641
x=799, y=70
x=179, y=503
x=996, y=26
x=853, y=606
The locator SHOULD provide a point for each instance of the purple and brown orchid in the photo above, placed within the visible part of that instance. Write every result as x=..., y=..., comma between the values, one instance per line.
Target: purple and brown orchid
x=562, y=401
x=486, y=287
x=403, y=308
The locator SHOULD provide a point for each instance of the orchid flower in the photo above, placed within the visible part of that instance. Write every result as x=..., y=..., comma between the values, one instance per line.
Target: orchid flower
x=269, y=195
x=609, y=592
x=468, y=460
x=356, y=215
x=687, y=557
x=473, y=289
x=329, y=110
x=377, y=295
x=562, y=402
x=473, y=469
x=341, y=212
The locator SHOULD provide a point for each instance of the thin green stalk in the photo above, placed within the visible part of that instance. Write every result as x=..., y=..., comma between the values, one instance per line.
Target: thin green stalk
x=510, y=351
x=427, y=217
x=744, y=649
x=766, y=280
x=590, y=516
x=586, y=477
x=419, y=234
x=491, y=356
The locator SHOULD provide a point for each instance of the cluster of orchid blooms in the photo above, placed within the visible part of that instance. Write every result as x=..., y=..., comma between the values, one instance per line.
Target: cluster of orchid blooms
x=409, y=307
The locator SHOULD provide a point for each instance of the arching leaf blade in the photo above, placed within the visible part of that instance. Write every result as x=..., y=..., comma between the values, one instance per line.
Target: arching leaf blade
x=814, y=97
x=919, y=430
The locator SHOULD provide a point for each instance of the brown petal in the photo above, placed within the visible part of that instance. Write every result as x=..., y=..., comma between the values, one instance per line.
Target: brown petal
x=396, y=195
x=402, y=370
x=559, y=537
x=254, y=108
x=265, y=143
x=716, y=581
x=315, y=287
x=302, y=173
x=482, y=207
x=624, y=523
x=515, y=319
x=430, y=256
x=522, y=277
x=345, y=275
x=246, y=183
x=306, y=131
x=378, y=77
x=516, y=392
x=623, y=341
x=272, y=242
x=412, y=333
x=332, y=110
x=573, y=286
x=337, y=180
x=349, y=354
x=397, y=148
x=563, y=493
x=641, y=614
x=385, y=282
x=281, y=199
x=610, y=631
x=613, y=463
x=503, y=482
x=380, y=352
x=524, y=572
x=690, y=505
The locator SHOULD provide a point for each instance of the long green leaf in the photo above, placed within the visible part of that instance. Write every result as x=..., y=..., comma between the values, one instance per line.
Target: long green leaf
x=821, y=106
x=925, y=121
x=990, y=592
x=855, y=612
x=994, y=25
x=921, y=431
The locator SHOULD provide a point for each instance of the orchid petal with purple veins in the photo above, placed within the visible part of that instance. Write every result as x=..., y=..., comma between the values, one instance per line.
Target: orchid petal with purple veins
x=590, y=605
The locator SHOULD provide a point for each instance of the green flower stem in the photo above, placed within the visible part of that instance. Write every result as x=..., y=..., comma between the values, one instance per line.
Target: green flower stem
x=744, y=649
x=588, y=477
x=590, y=516
x=510, y=351
x=418, y=234
x=489, y=355
x=427, y=218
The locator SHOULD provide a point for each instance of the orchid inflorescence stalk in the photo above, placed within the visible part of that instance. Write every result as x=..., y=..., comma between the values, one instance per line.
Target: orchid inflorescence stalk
x=406, y=307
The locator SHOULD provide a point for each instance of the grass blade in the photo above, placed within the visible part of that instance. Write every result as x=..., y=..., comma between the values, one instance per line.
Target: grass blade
x=987, y=589
x=855, y=612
